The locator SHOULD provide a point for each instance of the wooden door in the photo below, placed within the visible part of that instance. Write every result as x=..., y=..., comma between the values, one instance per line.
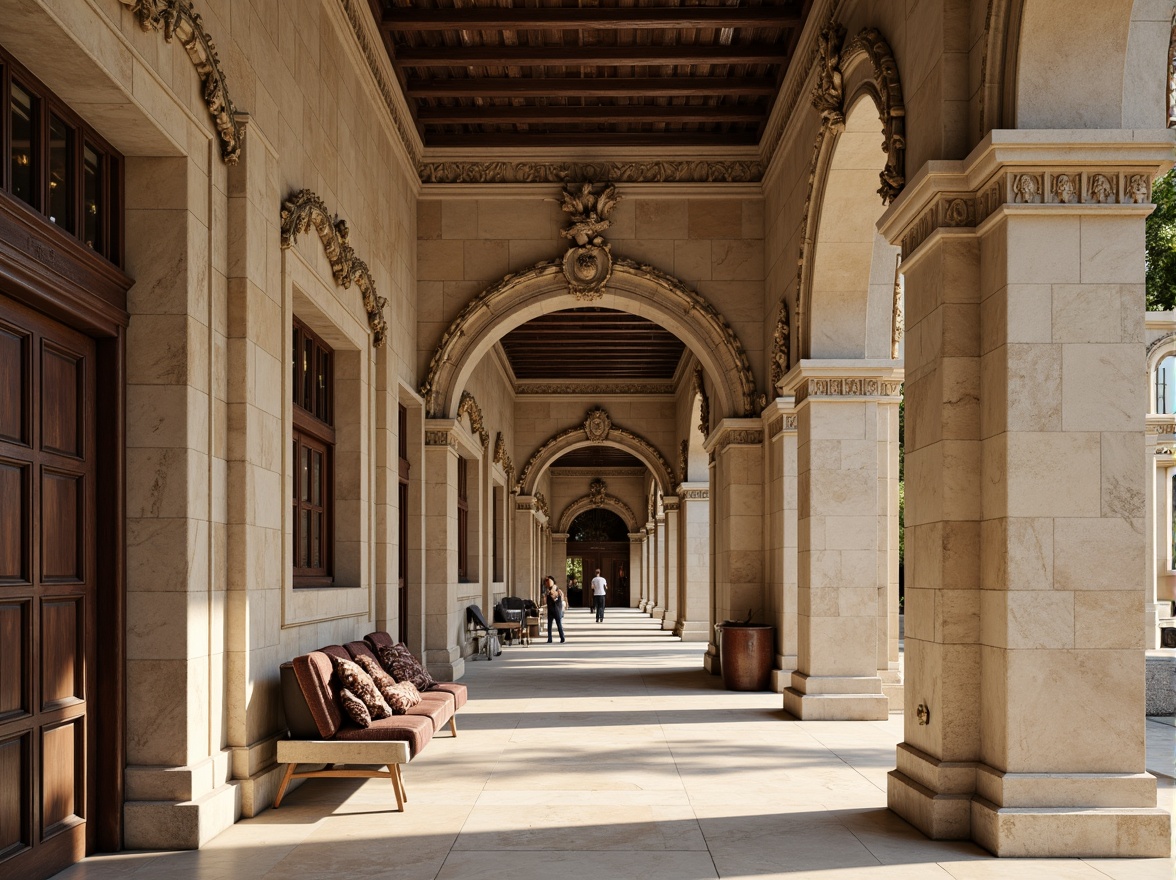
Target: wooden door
x=47, y=589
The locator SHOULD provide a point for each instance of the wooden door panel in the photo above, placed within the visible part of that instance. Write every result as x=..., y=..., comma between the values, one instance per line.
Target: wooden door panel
x=16, y=820
x=14, y=359
x=14, y=521
x=47, y=587
x=62, y=652
x=61, y=422
x=62, y=509
x=15, y=690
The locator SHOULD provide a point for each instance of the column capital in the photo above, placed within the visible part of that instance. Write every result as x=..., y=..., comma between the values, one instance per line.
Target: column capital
x=694, y=491
x=779, y=416
x=637, y=537
x=670, y=502
x=1028, y=171
x=734, y=432
x=451, y=433
x=855, y=379
x=559, y=537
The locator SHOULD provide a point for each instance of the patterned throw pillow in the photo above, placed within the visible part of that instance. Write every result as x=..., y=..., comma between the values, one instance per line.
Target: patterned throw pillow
x=404, y=667
x=402, y=696
x=361, y=685
x=385, y=683
x=355, y=708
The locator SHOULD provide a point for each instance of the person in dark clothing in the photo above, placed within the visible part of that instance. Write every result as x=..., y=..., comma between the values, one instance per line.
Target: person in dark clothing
x=557, y=601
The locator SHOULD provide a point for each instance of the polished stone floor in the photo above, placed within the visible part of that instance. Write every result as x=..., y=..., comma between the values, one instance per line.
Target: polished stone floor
x=615, y=756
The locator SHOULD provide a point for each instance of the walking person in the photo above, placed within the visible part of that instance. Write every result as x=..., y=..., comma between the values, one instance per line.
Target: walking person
x=557, y=601
x=599, y=588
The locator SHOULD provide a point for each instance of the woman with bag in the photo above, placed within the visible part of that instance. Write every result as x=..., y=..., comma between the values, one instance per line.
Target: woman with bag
x=557, y=601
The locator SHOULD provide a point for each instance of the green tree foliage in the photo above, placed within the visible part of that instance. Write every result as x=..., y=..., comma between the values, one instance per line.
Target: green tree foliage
x=1161, y=246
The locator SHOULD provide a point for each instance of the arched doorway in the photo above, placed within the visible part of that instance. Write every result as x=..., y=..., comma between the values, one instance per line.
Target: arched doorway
x=598, y=539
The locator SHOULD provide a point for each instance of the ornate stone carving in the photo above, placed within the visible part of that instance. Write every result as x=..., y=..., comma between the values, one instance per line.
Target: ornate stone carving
x=829, y=92
x=898, y=321
x=1026, y=189
x=699, y=387
x=646, y=285
x=502, y=457
x=305, y=209
x=850, y=386
x=596, y=388
x=694, y=494
x=683, y=460
x=1065, y=188
x=652, y=512
x=597, y=425
x=1138, y=189
x=440, y=438
x=541, y=505
x=780, y=349
x=177, y=18
x=738, y=437
x=469, y=407
x=670, y=502
x=790, y=423
x=600, y=472
x=603, y=428
x=596, y=491
x=1101, y=189
x=587, y=265
x=664, y=171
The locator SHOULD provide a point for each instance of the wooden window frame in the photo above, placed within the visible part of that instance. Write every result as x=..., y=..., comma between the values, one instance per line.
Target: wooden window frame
x=111, y=164
x=313, y=430
x=463, y=521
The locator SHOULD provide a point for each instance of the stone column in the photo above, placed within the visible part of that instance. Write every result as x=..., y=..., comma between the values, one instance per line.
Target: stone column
x=1024, y=728
x=559, y=558
x=780, y=525
x=636, y=567
x=1160, y=454
x=694, y=623
x=737, y=491
x=646, y=567
x=526, y=575
x=443, y=618
x=670, y=584
x=657, y=599
x=847, y=457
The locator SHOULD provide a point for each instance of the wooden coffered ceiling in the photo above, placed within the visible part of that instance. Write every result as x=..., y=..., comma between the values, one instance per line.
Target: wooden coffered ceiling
x=482, y=73
x=598, y=457
x=590, y=343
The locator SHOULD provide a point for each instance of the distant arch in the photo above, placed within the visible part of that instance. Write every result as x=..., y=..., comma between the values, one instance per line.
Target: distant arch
x=608, y=502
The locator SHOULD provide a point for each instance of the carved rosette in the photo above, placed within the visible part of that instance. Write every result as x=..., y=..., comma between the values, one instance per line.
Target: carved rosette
x=177, y=19
x=588, y=269
x=598, y=425
x=469, y=407
x=305, y=209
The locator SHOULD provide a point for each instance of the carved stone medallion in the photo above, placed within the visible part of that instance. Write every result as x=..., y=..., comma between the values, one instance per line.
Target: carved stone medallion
x=597, y=425
x=588, y=263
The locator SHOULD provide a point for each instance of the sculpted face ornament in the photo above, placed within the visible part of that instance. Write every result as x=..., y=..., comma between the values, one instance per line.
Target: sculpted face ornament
x=1101, y=190
x=1137, y=189
x=1026, y=188
x=1065, y=190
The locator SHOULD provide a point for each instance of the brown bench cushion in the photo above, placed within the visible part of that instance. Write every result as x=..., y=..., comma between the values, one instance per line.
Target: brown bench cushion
x=416, y=730
x=373, y=641
x=315, y=673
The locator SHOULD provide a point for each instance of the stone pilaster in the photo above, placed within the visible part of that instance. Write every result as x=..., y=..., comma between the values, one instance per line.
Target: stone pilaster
x=526, y=572
x=847, y=456
x=737, y=493
x=636, y=567
x=444, y=620
x=559, y=558
x=1160, y=453
x=1042, y=239
x=670, y=589
x=694, y=623
x=780, y=526
x=657, y=598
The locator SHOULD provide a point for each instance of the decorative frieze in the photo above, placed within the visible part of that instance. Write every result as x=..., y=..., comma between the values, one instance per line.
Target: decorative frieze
x=694, y=494
x=659, y=171
x=848, y=386
x=670, y=503
x=601, y=472
x=1031, y=186
x=737, y=437
x=177, y=19
x=441, y=438
x=305, y=209
x=469, y=407
x=775, y=426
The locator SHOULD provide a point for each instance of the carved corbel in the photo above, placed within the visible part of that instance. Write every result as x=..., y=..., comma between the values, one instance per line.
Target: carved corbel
x=305, y=209
x=177, y=18
x=469, y=407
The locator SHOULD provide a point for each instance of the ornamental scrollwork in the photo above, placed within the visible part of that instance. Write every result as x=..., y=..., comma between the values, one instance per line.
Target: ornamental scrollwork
x=780, y=348
x=587, y=265
x=502, y=457
x=597, y=425
x=829, y=92
x=305, y=209
x=541, y=505
x=469, y=407
x=597, y=491
x=661, y=171
x=683, y=460
x=699, y=388
x=177, y=18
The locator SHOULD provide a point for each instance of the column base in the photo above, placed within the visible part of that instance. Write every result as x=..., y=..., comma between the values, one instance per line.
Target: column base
x=180, y=824
x=836, y=698
x=668, y=622
x=935, y=796
x=692, y=630
x=710, y=660
x=656, y=611
x=643, y=605
x=1072, y=832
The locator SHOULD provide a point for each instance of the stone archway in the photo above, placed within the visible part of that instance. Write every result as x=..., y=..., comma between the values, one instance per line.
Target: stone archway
x=634, y=288
x=589, y=502
x=597, y=429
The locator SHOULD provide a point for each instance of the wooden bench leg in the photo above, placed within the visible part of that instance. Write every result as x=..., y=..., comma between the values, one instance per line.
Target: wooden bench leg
x=285, y=781
x=397, y=786
x=453, y=724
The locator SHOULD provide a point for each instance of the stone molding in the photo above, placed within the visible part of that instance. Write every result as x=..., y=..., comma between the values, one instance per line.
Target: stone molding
x=1159, y=343
x=358, y=14
x=656, y=171
x=637, y=537
x=469, y=407
x=596, y=428
x=670, y=503
x=1015, y=171
x=589, y=502
x=441, y=438
x=646, y=290
x=177, y=18
x=617, y=388
x=693, y=494
x=845, y=386
x=734, y=432
x=305, y=209
x=525, y=503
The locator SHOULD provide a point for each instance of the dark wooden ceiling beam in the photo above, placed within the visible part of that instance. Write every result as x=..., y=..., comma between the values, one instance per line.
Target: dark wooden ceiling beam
x=594, y=138
x=592, y=115
x=400, y=19
x=593, y=56
x=589, y=87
